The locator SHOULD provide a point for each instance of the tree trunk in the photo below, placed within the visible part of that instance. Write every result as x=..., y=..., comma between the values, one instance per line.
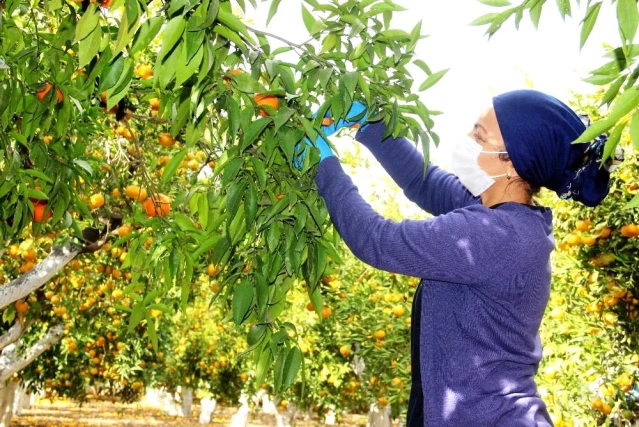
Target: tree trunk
x=11, y=362
x=207, y=404
x=7, y=393
x=379, y=417
x=13, y=334
x=240, y=418
x=187, y=401
x=45, y=270
x=20, y=400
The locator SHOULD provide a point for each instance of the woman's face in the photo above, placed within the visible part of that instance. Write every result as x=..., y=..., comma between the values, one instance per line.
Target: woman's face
x=486, y=133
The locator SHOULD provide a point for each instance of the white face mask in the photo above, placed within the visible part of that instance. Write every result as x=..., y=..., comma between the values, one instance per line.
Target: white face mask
x=473, y=177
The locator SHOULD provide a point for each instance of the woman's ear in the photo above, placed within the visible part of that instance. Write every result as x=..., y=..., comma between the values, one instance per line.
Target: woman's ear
x=511, y=171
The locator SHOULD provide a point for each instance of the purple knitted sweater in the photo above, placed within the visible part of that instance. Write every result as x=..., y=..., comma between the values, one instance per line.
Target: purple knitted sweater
x=485, y=284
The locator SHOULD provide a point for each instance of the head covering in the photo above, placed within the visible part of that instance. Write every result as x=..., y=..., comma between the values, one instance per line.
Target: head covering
x=538, y=131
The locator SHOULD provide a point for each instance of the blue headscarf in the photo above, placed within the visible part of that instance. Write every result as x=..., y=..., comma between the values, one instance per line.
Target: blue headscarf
x=538, y=131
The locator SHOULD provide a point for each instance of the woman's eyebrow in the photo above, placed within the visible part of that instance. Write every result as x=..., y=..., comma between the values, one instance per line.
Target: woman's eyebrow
x=480, y=126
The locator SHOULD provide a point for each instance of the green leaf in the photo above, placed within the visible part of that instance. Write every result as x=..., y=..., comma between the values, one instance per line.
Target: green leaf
x=234, y=198
x=432, y=79
x=242, y=299
x=153, y=335
x=350, y=83
x=330, y=41
x=88, y=23
x=495, y=3
x=272, y=10
x=292, y=366
x=254, y=130
x=278, y=368
x=263, y=363
x=309, y=20
x=262, y=293
x=564, y=8
x=612, y=142
x=624, y=104
x=613, y=91
x=146, y=33
x=394, y=35
x=172, y=35
x=422, y=65
x=186, y=70
x=633, y=203
x=260, y=171
x=256, y=334
x=128, y=26
x=250, y=203
x=136, y=316
x=316, y=295
x=230, y=35
x=273, y=236
x=203, y=211
x=628, y=18
x=233, y=23
x=233, y=110
x=89, y=47
x=594, y=130
x=231, y=169
x=247, y=84
x=366, y=91
x=589, y=22
x=173, y=165
x=535, y=13
x=484, y=19
x=634, y=131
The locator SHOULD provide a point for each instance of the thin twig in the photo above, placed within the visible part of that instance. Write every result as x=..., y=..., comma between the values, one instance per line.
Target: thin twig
x=290, y=43
x=149, y=118
x=35, y=25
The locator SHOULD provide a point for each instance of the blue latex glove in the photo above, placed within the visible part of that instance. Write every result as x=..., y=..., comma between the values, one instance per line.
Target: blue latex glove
x=320, y=143
x=356, y=118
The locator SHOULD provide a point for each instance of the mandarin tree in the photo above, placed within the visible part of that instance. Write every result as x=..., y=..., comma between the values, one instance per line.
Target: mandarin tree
x=105, y=106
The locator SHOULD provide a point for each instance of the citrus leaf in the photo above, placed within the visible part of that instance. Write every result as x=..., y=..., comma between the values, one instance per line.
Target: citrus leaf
x=242, y=299
x=594, y=130
x=628, y=17
x=432, y=79
x=173, y=165
x=89, y=47
x=292, y=366
x=146, y=33
x=589, y=22
x=250, y=204
x=172, y=35
x=253, y=131
x=272, y=10
x=485, y=19
x=624, y=104
x=495, y=3
x=87, y=23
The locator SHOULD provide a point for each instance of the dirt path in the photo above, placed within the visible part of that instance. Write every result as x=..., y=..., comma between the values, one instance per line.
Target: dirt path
x=69, y=414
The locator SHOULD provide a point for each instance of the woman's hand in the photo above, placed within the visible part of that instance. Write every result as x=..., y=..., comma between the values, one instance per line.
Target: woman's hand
x=356, y=118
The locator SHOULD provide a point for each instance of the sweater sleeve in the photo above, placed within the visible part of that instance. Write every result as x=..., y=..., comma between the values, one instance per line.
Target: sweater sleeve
x=459, y=247
x=437, y=193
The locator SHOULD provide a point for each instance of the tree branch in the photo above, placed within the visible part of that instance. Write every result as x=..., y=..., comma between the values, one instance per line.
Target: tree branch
x=14, y=333
x=155, y=120
x=9, y=365
x=290, y=43
x=27, y=283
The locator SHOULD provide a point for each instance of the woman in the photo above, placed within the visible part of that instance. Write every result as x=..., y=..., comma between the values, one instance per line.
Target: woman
x=484, y=258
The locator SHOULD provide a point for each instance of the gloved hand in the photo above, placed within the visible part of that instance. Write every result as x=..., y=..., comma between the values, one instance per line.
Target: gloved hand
x=320, y=143
x=356, y=118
